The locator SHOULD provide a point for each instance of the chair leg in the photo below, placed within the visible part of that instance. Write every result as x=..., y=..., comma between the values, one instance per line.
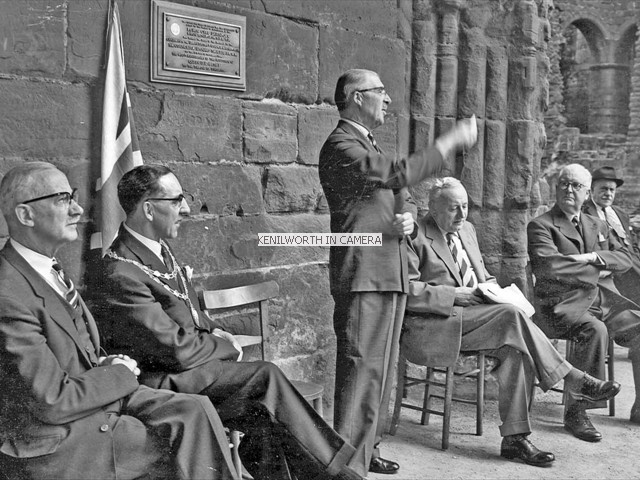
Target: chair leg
x=234, y=437
x=400, y=393
x=480, y=394
x=426, y=401
x=611, y=375
x=448, y=396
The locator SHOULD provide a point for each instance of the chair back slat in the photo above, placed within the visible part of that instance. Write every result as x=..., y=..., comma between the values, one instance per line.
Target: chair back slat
x=238, y=296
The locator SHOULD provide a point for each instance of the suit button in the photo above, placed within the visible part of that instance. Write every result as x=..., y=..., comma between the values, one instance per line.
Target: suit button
x=104, y=428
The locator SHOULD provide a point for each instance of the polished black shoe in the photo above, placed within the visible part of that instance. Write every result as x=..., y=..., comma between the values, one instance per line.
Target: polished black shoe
x=518, y=447
x=577, y=422
x=380, y=465
x=593, y=390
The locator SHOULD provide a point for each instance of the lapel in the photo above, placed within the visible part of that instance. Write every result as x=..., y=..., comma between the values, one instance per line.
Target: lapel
x=350, y=130
x=130, y=247
x=52, y=302
x=440, y=247
x=565, y=227
x=590, y=232
x=470, y=244
x=623, y=217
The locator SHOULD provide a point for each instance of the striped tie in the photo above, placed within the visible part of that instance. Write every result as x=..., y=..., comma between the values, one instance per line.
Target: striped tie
x=373, y=142
x=466, y=272
x=71, y=294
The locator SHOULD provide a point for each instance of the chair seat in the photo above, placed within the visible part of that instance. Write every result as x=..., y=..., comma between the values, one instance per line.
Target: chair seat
x=312, y=393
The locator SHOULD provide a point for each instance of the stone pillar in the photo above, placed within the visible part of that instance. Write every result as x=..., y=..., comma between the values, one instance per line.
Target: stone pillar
x=447, y=70
x=608, y=97
x=423, y=67
x=633, y=134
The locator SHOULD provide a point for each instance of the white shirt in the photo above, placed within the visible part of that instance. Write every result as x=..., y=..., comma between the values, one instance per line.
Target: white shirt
x=152, y=245
x=42, y=264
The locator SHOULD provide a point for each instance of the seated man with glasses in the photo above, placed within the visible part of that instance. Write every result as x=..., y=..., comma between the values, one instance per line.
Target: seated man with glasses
x=146, y=306
x=574, y=259
x=67, y=410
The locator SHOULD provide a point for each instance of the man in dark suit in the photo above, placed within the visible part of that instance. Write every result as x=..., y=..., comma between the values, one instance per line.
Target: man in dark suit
x=604, y=184
x=447, y=309
x=366, y=193
x=574, y=260
x=67, y=411
x=155, y=315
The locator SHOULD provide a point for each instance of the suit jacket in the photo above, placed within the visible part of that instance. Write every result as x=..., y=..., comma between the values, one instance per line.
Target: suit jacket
x=53, y=400
x=364, y=189
x=629, y=282
x=565, y=288
x=139, y=316
x=433, y=278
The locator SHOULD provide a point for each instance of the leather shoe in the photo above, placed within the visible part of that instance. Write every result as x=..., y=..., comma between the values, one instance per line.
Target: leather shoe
x=577, y=422
x=380, y=465
x=592, y=389
x=518, y=447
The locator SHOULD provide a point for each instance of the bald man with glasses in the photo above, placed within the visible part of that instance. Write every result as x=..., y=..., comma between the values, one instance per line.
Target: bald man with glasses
x=575, y=259
x=366, y=192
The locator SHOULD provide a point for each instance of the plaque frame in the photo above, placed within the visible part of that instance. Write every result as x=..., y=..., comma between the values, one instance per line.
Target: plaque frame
x=174, y=48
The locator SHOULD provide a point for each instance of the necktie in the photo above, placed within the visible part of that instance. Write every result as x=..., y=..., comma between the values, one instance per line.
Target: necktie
x=373, y=142
x=71, y=294
x=466, y=272
x=166, y=257
x=577, y=224
x=614, y=223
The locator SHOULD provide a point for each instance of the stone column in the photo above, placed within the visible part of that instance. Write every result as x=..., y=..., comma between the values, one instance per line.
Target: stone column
x=633, y=134
x=447, y=70
x=608, y=96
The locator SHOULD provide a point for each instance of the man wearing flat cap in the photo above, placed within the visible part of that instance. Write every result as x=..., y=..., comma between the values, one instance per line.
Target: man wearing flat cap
x=604, y=184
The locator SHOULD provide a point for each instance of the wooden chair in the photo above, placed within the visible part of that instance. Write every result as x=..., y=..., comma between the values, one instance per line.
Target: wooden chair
x=405, y=381
x=259, y=294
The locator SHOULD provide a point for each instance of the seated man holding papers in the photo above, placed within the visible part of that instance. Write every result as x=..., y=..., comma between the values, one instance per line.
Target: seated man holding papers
x=445, y=271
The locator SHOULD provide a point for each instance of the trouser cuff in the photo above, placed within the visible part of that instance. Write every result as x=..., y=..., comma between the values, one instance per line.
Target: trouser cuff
x=515, y=428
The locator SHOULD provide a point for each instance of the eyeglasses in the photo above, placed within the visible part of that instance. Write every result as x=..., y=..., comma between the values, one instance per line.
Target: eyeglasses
x=177, y=201
x=379, y=90
x=61, y=198
x=575, y=185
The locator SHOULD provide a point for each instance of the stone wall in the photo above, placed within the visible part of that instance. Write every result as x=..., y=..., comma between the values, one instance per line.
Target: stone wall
x=594, y=113
x=250, y=157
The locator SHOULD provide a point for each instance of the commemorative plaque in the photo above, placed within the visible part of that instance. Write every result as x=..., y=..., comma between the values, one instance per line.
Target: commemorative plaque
x=196, y=46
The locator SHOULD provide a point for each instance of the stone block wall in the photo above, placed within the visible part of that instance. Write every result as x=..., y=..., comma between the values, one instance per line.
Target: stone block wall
x=251, y=157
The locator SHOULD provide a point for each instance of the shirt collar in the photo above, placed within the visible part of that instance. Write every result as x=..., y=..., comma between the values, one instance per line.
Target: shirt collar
x=361, y=128
x=40, y=263
x=152, y=245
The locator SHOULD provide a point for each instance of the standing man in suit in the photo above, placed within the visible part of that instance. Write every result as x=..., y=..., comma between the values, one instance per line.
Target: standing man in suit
x=147, y=307
x=67, y=411
x=604, y=184
x=446, y=308
x=366, y=193
x=574, y=259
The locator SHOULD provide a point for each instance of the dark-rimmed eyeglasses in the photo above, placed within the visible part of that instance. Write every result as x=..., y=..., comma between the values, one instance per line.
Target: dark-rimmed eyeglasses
x=63, y=198
x=379, y=90
x=575, y=185
x=175, y=200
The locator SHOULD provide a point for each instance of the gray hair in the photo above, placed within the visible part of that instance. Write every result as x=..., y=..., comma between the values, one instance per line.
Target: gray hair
x=20, y=183
x=440, y=184
x=347, y=84
x=576, y=168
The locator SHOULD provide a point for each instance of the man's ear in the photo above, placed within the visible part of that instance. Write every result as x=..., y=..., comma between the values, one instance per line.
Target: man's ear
x=24, y=214
x=147, y=211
